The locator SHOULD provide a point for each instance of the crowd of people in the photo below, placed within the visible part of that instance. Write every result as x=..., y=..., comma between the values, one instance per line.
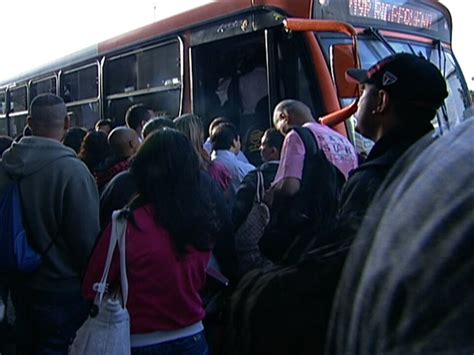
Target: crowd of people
x=399, y=223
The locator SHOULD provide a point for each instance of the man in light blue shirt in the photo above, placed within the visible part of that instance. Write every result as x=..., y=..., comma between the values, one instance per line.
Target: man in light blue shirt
x=208, y=144
x=226, y=145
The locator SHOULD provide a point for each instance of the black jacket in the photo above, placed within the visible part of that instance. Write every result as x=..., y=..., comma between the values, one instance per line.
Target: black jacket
x=363, y=182
x=248, y=187
x=407, y=283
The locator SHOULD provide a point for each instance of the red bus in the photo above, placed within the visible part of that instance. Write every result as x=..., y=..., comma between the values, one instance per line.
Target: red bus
x=239, y=58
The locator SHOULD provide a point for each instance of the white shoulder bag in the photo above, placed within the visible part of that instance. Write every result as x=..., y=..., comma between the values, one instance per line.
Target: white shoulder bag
x=108, y=332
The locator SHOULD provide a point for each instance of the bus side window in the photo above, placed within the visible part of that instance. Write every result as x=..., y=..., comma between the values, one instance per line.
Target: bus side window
x=42, y=87
x=18, y=109
x=150, y=76
x=80, y=91
x=3, y=113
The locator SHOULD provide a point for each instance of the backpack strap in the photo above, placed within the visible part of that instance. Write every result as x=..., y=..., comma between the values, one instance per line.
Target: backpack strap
x=260, y=187
x=27, y=225
x=310, y=143
x=311, y=148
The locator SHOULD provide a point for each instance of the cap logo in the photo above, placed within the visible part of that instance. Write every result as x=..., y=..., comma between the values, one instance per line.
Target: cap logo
x=388, y=79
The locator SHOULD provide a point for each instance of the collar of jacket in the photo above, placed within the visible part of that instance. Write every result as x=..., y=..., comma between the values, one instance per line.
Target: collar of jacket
x=393, y=144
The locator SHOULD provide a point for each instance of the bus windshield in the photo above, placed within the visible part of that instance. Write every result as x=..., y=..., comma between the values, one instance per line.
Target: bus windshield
x=372, y=50
x=409, y=16
x=387, y=27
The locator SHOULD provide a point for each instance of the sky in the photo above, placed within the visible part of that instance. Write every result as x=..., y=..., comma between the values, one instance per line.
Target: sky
x=37, y=32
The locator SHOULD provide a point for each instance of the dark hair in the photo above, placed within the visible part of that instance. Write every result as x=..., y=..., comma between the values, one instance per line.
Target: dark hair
x=274, y=138
x=104, y=122
x=47, y=112
x=73, y=138
x=5, y=143
x=223, y=136
x=26, y=131
x=217, y=121
x=94, y=149
x=155, y=124
x=166, y=172
x=136, y=114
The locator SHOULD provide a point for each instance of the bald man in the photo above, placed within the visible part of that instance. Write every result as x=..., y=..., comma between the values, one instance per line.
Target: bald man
x=124, y=143
x=307, y=185
x=337, y=148
x=61, y=212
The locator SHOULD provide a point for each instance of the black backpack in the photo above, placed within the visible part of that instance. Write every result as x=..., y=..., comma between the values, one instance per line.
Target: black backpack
x=311, y=211
x=285, y=309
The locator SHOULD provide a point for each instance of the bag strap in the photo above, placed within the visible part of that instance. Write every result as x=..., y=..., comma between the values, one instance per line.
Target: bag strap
x=117, y=236
x=15, y=180
x=260, y=191
x=122, y=226
x=311, y=148
x=310, y=143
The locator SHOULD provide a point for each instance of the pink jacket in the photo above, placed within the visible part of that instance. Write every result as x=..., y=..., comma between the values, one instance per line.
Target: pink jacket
x=163, y=288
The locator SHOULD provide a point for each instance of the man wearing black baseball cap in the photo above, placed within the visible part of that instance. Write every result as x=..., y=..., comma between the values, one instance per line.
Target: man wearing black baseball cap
x=400, y=95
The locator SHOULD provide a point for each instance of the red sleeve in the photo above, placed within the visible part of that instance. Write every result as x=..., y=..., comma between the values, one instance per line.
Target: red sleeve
x=96, y=265
x=220, y=174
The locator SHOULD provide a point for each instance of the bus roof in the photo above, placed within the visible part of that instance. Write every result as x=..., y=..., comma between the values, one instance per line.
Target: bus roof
x=212, y=11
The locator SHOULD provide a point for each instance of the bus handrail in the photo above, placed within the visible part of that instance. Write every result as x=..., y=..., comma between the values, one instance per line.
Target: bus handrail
x=298, y=24
x=333, y=118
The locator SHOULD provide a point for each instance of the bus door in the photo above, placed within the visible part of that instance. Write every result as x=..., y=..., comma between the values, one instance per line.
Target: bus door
x=230, y=79
x=242, y=67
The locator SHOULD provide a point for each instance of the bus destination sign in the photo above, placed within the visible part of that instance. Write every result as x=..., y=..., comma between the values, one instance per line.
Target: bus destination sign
x=395, y=12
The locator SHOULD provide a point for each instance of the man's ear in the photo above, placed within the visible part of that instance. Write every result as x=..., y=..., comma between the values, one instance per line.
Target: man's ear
x=275, y=153
x=29, y=121
x=383, y=101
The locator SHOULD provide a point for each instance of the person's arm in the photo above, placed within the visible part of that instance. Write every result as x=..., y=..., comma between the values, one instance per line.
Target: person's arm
x=290, y=171
x=80, y=219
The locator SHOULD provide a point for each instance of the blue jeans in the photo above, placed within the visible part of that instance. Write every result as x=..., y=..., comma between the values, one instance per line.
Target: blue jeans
x=192, y=345
x=46, y=322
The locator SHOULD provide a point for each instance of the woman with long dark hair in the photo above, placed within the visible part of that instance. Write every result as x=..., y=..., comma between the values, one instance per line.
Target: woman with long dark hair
x=191, y=126
x=168, y=246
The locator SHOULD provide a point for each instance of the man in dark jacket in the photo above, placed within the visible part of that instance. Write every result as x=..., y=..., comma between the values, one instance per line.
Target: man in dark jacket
x=400, y=97
x=270, y=149
x=61, y=212
x=407, y=285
